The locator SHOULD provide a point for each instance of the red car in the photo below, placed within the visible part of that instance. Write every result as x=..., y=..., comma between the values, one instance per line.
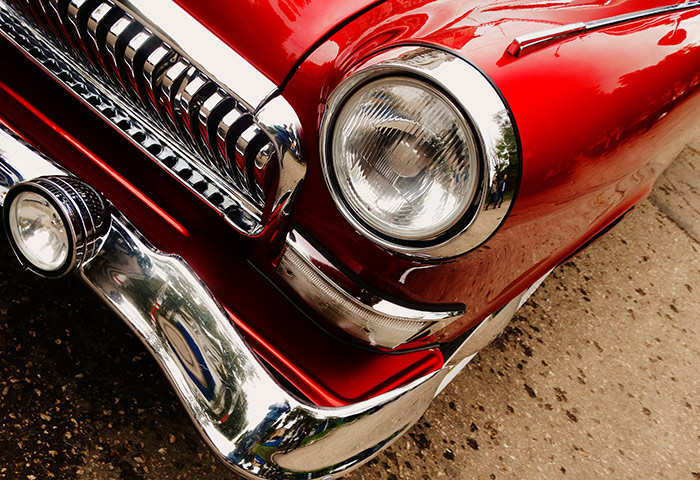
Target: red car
x=314, y=213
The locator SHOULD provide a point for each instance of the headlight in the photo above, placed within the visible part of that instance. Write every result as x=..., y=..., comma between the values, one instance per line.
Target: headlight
x=411, y=142
x=404, y=159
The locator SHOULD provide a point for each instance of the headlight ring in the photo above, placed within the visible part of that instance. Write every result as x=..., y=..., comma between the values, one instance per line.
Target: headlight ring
x=438, y=132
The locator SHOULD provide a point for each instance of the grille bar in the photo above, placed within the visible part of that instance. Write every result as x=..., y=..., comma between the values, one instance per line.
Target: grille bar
x=219, y=137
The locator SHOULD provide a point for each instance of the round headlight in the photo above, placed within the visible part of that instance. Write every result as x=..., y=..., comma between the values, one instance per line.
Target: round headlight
x=411, y=142
x=404, y=159
x=39, y=231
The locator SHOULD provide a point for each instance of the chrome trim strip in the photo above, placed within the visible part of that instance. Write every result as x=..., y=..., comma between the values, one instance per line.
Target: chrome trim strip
x=361, y=313
x=254, y=426
x=485, y=110
x=532, y=42
x=20, y=161
x=486, y=332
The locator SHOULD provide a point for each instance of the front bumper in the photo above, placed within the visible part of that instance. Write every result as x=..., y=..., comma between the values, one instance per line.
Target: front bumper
x=254, y=425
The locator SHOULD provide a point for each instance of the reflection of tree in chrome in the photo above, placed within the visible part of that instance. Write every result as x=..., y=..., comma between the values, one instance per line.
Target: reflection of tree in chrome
x=506, y=149
x=292, y=430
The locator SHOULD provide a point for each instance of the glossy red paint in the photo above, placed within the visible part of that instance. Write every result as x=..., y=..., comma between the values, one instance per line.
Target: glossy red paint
x=591, y=131
x=595, y=113
x=327, y=371
x=273, y=34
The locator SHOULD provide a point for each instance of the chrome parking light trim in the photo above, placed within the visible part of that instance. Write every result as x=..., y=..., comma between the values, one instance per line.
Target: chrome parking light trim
x=482, y=107
x=374, y=319
x=83, y=213
x=532, y=42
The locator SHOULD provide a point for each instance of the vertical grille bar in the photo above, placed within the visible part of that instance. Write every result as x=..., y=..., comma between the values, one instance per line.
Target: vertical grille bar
x=170, y=84
x=54, y=21
x=135, y=54
x=154, y=68
x=98, y=23
x=119, y=34
x=230, y=128
x=193, y=91
x=76, y=16
x=211, y=113
x=59, y=11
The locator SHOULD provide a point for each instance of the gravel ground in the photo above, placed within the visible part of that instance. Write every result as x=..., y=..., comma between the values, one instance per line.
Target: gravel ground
x=595, y=378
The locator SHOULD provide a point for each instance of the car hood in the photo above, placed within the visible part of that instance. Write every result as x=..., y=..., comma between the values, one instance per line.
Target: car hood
x=273, y=35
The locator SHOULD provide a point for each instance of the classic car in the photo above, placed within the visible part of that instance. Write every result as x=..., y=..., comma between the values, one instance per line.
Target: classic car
x=314, y=214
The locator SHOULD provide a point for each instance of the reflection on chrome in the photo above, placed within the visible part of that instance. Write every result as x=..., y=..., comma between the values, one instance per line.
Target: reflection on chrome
x=250, y=421
x=255, y=426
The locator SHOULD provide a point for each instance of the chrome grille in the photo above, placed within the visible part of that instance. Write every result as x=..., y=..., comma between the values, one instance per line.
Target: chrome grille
x=209, y=137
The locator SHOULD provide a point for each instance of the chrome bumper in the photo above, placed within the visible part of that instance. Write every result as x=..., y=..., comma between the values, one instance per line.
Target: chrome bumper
x=256, y=427
x=253, y=424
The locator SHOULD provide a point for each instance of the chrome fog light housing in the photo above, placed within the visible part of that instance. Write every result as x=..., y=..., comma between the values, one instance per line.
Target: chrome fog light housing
x=411, y=143
x=54, y=223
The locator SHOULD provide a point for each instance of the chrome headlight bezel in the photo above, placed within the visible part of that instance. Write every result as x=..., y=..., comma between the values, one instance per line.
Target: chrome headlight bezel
x=482, y=108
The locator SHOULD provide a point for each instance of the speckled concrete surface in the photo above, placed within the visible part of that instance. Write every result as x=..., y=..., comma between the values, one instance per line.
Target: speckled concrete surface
x=595, y=378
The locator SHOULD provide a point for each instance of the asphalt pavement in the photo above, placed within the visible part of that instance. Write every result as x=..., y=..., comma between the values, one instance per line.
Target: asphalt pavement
x=596, y=377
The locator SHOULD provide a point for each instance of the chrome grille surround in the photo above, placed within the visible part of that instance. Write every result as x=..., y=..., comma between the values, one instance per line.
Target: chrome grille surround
x=241, y=154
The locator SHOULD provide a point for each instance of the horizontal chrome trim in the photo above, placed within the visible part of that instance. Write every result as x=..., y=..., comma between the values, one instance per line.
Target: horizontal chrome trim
x=20, y=161
x=166, y=96
x=486, y=332
x=531, y=42
x=483, y=108
x=237, y=406
x=363, y=314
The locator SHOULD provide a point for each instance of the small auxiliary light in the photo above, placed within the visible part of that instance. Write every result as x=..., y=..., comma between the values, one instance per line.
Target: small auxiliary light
x=54, y=223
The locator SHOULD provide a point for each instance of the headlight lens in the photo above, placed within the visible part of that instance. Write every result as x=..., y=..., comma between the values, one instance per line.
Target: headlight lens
x=404, y=159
